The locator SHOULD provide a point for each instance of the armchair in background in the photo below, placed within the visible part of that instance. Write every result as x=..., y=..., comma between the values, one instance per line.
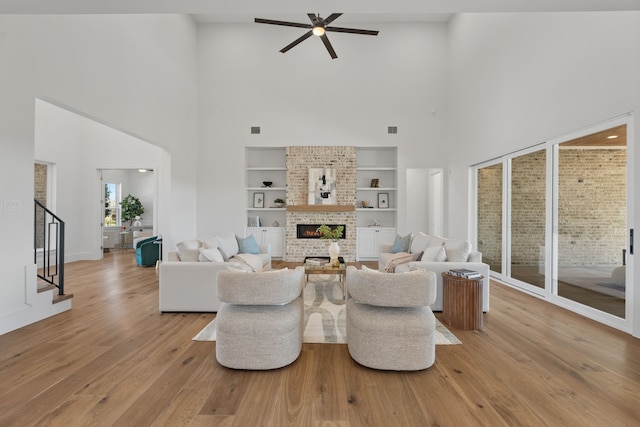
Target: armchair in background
x=147, y=252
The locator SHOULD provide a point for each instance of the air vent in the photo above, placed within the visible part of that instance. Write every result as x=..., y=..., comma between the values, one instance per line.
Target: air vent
x=255, y=130
x=392, y=129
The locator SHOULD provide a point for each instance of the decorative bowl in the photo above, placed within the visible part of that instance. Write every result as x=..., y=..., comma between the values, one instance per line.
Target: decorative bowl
x=267, y=183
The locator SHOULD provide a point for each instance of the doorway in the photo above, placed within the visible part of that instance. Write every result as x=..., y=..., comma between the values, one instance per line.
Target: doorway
x=425, y=201
x=118, y=231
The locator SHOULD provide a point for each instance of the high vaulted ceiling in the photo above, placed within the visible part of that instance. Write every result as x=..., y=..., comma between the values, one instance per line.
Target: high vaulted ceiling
x=356, y=10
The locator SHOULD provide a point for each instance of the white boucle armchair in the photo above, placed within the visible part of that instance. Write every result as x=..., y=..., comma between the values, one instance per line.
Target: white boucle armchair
x=389, y=323
x=261, y=321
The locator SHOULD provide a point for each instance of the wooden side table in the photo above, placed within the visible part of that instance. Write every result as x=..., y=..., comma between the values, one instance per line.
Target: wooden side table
x=462, y=301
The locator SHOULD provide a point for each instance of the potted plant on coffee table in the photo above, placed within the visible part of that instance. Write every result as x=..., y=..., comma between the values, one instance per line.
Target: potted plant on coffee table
x=334, y=234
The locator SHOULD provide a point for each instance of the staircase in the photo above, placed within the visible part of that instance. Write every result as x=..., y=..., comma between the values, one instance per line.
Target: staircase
x=48, y=252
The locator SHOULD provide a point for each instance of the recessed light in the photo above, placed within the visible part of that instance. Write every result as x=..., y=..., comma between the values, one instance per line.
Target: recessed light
x=612, y=136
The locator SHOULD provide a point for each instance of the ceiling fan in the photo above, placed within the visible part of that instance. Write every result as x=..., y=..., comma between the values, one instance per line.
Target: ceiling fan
x=318, y=27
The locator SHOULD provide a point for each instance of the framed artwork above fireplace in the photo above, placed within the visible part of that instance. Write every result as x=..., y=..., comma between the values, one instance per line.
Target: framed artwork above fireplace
x=322, y=186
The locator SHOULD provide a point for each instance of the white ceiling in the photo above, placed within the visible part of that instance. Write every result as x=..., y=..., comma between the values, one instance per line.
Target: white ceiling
x=354, y=10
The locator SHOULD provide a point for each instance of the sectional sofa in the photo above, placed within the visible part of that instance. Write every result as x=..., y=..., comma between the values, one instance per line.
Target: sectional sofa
x=433, y=253
x=188, y=277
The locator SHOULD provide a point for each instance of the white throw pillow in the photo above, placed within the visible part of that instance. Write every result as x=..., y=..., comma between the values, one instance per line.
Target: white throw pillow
x=457, y=250
x=435, y=253
x=228, y=244
x=210, y=242
x=189, y=250
x=210, y=255
x=419, y=242
x=437, y=241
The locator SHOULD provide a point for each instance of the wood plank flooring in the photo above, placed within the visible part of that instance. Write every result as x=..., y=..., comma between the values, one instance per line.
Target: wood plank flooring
x=114, y=360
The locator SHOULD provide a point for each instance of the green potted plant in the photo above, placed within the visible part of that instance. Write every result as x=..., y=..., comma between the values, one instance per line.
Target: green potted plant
x=334, y=234
x=130, y=208
x=279, y=202
x=327, y=232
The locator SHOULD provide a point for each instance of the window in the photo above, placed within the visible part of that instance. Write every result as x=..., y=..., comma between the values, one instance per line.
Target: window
x=111, y=204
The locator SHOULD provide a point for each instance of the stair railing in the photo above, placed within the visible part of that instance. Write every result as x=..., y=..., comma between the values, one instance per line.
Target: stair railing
x=48, y=238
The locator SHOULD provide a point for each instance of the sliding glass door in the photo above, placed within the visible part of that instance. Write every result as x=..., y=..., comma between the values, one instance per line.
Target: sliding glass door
x=528, y=218
x=554, y=221
x=591, y=215
x=489, y=208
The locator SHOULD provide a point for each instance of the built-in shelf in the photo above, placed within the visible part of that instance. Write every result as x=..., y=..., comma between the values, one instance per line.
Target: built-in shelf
x=320, y=208
x=376, y=189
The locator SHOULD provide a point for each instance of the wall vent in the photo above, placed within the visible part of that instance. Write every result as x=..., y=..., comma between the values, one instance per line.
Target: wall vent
x=392, y=129
x=255, y=130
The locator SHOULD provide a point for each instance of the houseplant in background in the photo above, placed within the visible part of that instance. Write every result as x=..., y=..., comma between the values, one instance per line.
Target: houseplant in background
x=130, y=208
x=278, y=202
x=334, y=234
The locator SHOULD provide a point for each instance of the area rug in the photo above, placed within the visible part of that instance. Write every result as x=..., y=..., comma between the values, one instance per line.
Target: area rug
x=325, y=315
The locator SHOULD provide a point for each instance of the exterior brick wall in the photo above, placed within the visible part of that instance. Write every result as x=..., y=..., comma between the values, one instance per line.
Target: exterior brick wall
x=299, y=160
x=591, y=208
x=40, y=194
x=490, y=215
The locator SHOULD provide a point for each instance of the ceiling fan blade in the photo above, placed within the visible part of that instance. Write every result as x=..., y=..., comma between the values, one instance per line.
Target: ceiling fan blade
x=327, y=44
x=283, y=23
x=328, y=20
x=352, y=31
x=315, y=19
x=297, y=41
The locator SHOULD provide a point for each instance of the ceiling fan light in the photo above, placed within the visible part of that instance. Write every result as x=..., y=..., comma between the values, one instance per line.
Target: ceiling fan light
x=318, y=31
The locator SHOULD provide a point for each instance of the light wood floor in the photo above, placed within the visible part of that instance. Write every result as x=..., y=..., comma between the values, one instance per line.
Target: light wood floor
x=115, y=360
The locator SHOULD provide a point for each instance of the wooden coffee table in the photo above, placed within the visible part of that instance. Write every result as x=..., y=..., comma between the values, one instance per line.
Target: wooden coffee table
x=327, y=268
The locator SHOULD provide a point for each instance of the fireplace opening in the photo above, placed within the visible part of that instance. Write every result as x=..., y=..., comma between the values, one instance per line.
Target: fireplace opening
x=309, y=231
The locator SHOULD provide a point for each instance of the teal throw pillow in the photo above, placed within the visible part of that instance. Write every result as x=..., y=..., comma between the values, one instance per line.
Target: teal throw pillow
x=401, y=244
x=248, y=245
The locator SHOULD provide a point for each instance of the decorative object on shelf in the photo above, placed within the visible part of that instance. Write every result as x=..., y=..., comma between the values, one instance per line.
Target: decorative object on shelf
x=278, y=203
x=267, y=183
x=275, y=224
x=334, y=234
x=258, y=200
x=365, y=203
x=376, y=223
x=254, y=221
x=375, y=183
x=383, y=200
x=322, y=186
x=130, y=208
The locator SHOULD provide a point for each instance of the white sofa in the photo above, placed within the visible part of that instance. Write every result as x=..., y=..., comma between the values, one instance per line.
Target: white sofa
x=437, y=254
x=189, y=275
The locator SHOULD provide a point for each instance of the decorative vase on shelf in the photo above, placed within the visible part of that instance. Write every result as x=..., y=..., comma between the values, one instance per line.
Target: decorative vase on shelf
x=334, y=252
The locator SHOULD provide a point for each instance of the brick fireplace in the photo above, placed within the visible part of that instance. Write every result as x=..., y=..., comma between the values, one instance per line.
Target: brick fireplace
x=299, y=160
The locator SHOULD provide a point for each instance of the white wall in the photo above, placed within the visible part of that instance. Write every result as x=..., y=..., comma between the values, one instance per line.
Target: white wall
x=521, y=79
x=304, y=97
x=134, y=72
x=79, y=147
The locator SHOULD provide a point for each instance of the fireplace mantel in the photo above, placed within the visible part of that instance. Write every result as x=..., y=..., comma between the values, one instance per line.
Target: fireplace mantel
x=321, y=208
